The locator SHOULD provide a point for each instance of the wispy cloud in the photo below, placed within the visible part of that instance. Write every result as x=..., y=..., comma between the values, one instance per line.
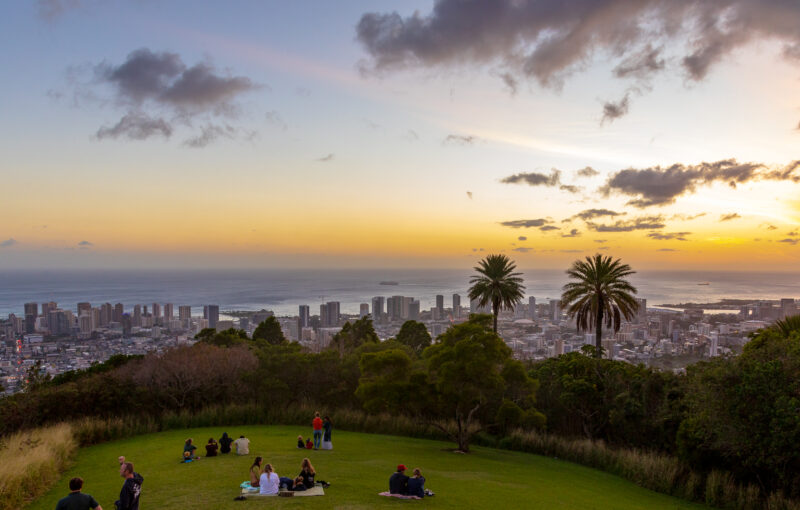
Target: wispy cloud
x=8, y=243
x=326, y=158
x=539, y=222
x=572, y=233
x=460, y=140
x=729, y=217
x=669, y=236
x=640, y=223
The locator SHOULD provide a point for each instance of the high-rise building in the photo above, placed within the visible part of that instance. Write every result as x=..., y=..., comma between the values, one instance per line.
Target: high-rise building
x=377, y=308
x=136, y=319
x=46, y=309
x=532, y=308
x=363, y=310
x=58, y=322
x=394, y=307
x=788, y=308
x=127, y=324
x=456, y=305
x=555, y=310
x=106, y=314
x=32, y=309
x=119, y=311
x=84, y=308
x=85, y=323
x=440, y=304
x=304, y=316
x=412, y=310
x=184, y=312
x=404, y=312
x=329, y=314
x=213, y=315
x=641, y=313
x=168, y=312
x=156, y=313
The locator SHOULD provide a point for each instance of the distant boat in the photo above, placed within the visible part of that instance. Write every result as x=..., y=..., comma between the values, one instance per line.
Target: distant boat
x=389, y=283
x=704, y=283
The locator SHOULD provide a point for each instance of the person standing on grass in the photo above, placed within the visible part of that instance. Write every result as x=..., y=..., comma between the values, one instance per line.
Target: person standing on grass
x=327, y=426
x=76, y=500
x=225, y=443
x=131, y=489
x=317, y=424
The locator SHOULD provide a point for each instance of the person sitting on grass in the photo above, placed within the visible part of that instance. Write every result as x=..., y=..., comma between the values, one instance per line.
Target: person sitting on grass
x=309, y=444
x=300, y=442
x=416, y=484
x=76, y=500
x=269, y=482
x=398, y=482
x=189, y=448
x=211, y=448
x=225, y=443
x=255, y=472
x=242, y=446
x=299, y=485
x=307, y=473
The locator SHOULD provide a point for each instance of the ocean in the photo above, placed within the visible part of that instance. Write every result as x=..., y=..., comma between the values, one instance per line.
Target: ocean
x=283, y=290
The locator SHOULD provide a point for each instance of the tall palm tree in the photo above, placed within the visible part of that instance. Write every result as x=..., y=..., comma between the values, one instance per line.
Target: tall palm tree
x=598, y=294
x=496, y=283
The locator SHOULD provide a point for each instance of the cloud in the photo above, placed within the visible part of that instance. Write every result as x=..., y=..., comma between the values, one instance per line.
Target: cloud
x=771, y=227
x=208, y=134
x=793, y=233
x=570, y=188
x=522, y=249
x=460, y=140
x=589, y=214
x=326, y=158
x=85, y=243
x=571, y=251
x=687, y=217
x=641, y=64
x=666, y=249
x=50, y=10
x=534, y=178
x=728, y=217
x=526, y=223
x=613, y=110
x=790, y=241
x=158, y=91
x=601, y=241
x=469, y=195
x=548, y=41
x=8, y=243
x=572, y=233
x=522, y=238
x=587, y=172
x=411, y=135
x=657, y=186
x=640, y=223
x=136, y=126
x=547, y=228
x=274, y=118
x=669, y=236
x=511, y=82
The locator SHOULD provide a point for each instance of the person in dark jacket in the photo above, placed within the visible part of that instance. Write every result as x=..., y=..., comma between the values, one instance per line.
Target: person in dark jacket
x=398, y=482
x=131, y=489
x=225, y=443
x=211, y=448
x=416, y=484
x=300, y=442
x=76, y=500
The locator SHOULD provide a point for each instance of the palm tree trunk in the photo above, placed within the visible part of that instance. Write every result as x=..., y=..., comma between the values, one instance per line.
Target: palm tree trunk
x=598, y=330
x=496, y=309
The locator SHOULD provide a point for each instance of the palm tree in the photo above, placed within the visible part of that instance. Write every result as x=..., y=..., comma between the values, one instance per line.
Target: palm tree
x=496, y=283
x=787, y=325
x=599, y=293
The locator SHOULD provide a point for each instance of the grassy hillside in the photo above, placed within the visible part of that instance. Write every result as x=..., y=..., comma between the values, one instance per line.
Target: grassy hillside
x=358, y=468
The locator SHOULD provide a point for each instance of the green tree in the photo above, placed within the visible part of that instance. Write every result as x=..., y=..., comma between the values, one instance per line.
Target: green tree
x=599, y=294
x=415, y=335
x=472, y=372
x=270, y=332
x=226, y=338
x=497, y=284
x=383, y=386
x=353, y=335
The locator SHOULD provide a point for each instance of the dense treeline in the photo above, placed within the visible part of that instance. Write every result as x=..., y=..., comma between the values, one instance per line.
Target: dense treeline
x=735, y=414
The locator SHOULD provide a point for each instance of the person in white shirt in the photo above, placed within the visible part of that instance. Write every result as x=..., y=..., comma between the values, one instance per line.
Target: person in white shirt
x=269, y=483
x=242, y=446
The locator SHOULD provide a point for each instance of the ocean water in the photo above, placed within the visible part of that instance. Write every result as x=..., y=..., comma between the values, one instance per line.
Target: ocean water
x=283, y=290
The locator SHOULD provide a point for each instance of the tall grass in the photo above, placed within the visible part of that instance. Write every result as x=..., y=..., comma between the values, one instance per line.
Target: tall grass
x=32, y=461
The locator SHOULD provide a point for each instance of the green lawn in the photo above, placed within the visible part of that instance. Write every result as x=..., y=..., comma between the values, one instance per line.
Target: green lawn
x=358, y=468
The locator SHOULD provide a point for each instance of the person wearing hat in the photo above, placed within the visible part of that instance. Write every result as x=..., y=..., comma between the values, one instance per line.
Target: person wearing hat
x=398, y=482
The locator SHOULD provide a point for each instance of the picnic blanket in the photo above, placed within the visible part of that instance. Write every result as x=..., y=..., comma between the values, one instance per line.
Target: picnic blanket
x=398, y=496
x=316, y=491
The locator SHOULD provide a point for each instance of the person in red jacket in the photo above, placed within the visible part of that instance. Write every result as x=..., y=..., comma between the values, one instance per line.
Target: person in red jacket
x=317, y=424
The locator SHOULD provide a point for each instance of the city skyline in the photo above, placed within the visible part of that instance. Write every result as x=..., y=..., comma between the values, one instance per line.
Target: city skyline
x=149, y=135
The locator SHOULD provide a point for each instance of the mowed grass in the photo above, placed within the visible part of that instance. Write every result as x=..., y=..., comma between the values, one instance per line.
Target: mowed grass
x=358, y=468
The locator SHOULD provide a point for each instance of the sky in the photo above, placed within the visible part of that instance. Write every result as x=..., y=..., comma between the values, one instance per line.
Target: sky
x=149, y=134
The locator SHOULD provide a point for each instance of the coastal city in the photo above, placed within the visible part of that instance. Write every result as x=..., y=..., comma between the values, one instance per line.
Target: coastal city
x=57, y=340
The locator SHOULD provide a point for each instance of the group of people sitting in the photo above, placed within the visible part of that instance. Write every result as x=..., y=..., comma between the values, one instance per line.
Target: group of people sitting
x=241, y=446
x=269, y=482
x=400, y=483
